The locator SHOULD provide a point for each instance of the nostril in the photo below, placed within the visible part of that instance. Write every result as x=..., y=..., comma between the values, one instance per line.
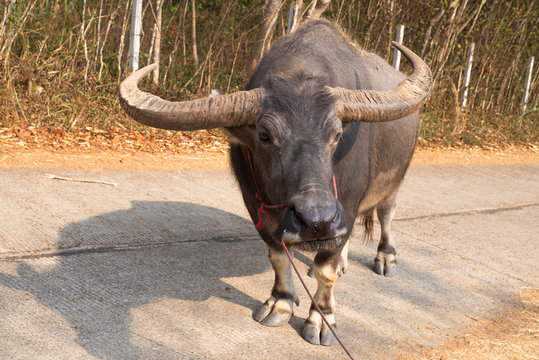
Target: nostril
x=315, y=219
x=297, y=219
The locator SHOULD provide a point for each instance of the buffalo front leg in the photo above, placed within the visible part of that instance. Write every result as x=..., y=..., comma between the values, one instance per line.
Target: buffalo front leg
x=278, y=309
x=328, y=266
x=385, y=262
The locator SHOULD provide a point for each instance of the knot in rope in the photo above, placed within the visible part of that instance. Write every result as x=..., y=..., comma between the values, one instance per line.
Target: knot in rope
x=264, y=209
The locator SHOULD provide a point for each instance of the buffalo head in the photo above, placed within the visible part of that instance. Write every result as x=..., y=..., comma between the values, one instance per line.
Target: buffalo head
x=291, y=126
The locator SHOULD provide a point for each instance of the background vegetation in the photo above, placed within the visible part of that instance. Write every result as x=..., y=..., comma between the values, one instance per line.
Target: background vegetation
x=61, y=60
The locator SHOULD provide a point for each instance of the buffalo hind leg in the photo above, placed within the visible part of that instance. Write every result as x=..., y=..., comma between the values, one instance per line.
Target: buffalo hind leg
x=328, y=266
x=278, y=309
x=385, y=262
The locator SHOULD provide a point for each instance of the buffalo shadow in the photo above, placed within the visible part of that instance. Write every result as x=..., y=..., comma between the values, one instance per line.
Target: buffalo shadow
x=102, y=274
x=97, y=287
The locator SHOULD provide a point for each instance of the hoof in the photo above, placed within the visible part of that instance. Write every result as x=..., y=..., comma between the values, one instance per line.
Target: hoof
x=318, y=333
x=274, y=312
x=326, y=336
x=385, y=264
x=311, y=333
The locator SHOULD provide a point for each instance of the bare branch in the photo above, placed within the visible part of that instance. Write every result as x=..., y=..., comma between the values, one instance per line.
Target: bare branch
x=316, y=8
x=271, y=12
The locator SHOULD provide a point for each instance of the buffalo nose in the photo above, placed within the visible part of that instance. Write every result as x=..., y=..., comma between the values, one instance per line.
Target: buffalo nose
x=317, y=220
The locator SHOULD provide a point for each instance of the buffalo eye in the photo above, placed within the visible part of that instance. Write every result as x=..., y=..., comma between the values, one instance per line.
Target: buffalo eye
x=338, y=136
x=264, y=138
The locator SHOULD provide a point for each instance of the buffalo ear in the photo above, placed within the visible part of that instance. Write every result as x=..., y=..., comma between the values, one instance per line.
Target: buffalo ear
x=241, y=135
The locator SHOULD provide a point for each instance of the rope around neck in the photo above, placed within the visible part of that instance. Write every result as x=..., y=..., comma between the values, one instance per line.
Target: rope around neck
x=264, y=209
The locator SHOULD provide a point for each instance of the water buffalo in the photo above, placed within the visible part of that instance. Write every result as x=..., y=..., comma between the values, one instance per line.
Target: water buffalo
x=323, y=133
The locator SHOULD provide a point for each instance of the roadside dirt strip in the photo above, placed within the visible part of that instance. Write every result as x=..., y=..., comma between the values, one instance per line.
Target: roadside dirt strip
x=167, y=265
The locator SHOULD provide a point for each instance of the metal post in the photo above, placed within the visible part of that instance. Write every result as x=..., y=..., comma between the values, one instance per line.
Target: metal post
x=527, y=82
x=134, y=44
x=397, y=53
x=468, y=75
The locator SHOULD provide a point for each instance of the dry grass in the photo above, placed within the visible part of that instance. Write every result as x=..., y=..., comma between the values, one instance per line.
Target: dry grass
x=60, y=62
x=19, y=138
x=513, y=336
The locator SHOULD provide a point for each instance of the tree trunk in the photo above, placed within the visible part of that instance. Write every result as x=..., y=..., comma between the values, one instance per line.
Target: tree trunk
x=271, y=13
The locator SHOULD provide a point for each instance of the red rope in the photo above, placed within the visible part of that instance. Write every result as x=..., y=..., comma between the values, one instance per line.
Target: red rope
x=335, y=188
x=314, y=302
x=264, y=209
x=263, y=206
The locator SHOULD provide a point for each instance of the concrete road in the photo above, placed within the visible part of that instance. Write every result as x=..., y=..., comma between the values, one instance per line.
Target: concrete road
x=167, y=265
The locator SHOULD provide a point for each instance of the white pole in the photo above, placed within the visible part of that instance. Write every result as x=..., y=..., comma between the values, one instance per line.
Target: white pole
x=292, y=18
x=468, y=75
x=134, y=44
x=527, y=82
x=397, y=53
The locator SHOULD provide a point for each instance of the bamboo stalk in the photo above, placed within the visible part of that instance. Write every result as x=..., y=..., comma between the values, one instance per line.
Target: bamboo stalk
x=172, y=55
x=98, y=31
x=157, y=41
x=109, y=24
x=11, y=39
x=85, y=44
x=271, y=13
x=3, y=24
x=194, y=33
x=184, y=45
x=294, y=16
x=122, y=40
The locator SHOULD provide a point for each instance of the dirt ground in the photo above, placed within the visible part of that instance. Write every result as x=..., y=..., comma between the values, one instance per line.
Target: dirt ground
x=513, y=335
x=73, y=158
x=152, y=149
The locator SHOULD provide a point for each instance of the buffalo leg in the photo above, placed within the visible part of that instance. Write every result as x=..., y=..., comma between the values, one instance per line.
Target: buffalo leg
x=278, y=309
x=328, y=266
x=385, y=262
x=344, y=262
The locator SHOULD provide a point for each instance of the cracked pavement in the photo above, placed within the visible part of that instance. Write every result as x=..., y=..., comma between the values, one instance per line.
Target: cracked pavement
x=167, y=265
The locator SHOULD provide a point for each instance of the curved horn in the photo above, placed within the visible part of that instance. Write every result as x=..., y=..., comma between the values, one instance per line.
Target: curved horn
x=377, y=106
x=240, y=108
